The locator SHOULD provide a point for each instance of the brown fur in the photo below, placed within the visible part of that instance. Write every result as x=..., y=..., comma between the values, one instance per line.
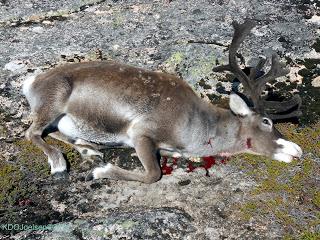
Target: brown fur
x=150, y=111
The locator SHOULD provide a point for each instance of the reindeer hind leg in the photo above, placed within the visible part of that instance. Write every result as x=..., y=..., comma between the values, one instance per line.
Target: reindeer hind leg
x=41, y=120
x=88, y=151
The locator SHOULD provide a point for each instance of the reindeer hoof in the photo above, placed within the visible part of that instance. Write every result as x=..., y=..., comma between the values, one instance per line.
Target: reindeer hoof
x=60, y=175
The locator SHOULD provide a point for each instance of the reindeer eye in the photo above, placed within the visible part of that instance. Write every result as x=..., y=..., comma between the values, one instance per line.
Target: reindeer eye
x=266, y=121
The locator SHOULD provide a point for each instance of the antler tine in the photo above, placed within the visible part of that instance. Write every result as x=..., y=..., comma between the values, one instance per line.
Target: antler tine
x=254, y=70
x=240, y=32
x=274, y=109
x=253, y=86
x=222, y=68
x=277, y=70
x=295, y=113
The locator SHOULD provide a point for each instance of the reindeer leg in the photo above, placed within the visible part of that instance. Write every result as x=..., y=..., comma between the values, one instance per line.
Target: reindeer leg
x=147, y=154
x=34, y=133
x=88, y=151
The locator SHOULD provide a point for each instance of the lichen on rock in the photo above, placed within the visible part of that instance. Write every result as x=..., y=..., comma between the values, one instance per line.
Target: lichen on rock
x=248, y=197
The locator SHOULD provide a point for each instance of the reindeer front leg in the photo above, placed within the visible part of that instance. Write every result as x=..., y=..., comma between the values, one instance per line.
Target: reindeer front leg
x=147, y=154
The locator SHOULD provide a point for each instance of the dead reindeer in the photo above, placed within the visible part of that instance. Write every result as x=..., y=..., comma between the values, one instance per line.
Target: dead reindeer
x=94, y=105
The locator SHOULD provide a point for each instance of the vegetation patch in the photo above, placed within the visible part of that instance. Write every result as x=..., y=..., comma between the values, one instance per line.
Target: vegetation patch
x=18, y=178
x=287, y=193
x=306, y=137
x=11, y=188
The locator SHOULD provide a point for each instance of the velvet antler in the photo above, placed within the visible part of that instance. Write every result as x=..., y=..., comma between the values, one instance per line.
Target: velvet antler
x=253, y=87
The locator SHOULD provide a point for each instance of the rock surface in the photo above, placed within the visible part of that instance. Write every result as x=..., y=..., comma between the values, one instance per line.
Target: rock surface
x=186, y=38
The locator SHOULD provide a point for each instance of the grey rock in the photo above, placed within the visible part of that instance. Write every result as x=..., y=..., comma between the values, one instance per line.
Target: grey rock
x=158, y=223
x=186, y=38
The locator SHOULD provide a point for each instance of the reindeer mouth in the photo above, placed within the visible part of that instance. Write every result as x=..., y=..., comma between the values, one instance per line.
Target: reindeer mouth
x=287, y=151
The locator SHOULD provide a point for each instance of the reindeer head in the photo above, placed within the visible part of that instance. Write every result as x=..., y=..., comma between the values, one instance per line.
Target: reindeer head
x=256, y=124
x=261, y=136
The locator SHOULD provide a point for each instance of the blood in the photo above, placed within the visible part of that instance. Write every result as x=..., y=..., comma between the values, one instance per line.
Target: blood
x=224, y=160
x=175, y=161
x=190, y=167
x=207, y=163
x=166, y=169
x=249, y=145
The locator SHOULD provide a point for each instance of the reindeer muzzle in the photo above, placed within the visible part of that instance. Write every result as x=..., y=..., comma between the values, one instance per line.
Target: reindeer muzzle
x=286, y=151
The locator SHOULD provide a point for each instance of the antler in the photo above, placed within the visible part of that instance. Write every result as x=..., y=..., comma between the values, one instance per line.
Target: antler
x=253, y=86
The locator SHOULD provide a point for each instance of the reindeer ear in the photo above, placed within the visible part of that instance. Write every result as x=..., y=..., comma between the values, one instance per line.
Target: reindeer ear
x=238, y=106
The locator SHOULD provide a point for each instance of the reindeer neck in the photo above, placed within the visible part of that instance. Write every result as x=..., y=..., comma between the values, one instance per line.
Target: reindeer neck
x=217, y=133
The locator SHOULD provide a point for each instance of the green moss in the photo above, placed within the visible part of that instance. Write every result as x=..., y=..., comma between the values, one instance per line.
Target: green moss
x=287, y=237
x=310, y=236
x=248, y=210
x=307, y=138
x=71, y=155
x=32, y=158
x=285, y=188
x=31, y=163
x=12, y=187
x=30, y=152
x=285, y=218
x=316, y=199
x=272, y=185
